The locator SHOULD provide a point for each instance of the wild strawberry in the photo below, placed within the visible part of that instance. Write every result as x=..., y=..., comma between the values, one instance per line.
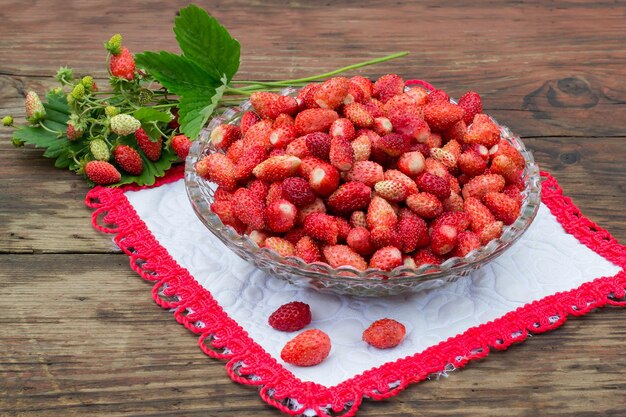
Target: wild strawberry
x=391, y=190
x=322, y=227
x=443, y=239
x=282, y=136
x=277, y=152
x=280, y=216
x=274, y=192
x=341, y=154
x=298, y=148
x=419, y=95
x=350, y=196
x=258, y=237
x=425, y=204
x=295, y=234
x=386, y=258
x=382, y=236
x=435, y=167
x=100, y=150
x=365, y=84
x=382, y=126
x=401, y=102
x=248, y=119
x=483, y=131
x=318, y=144
x=102, y=173
x=277, y=168
x=515, y=193
x=259, y=134
x=221, y=194
x=359, y=240
x=453, y=203
x=225, y=211
x=181, y=144
x=254, y=156
x=407, y=261
x=506, y=167
x=358, y=219
x=459, y=219
x=306, y=96
x=317, y=206
x=388, y=86
x=332, y=92
x=505, y=148
x=291, y=317
x=467, y=242
x=395, y=175
x=122, y=65
x=384, y=334
x=374, y=107
x=438, y=95
x=342, y=128
x=490, y=231
x=433, y=184
x=362, y=148
x=471, y=163
x=315, y=120
x=454, y=147
x=444, y=156
x=124, y=124
x=258, y=188
x=219, y=169
x=342, y=255
x=71, y=132
x=309, y=348
x=411, y=163
x=394, y=144
x=343, y=228
x=280, y=246
x=479, y=214
x=283, y=120
x=413, y=233
x=324, y=179
x=308, y=165
x=411, y=124
x=236, y=150
x=298, y=191
x=442, y=115
x=128, y=159
x=381, y=213
x=433, y=141
x=224, y=135
x=249, y=208
x=480, y=185
x=307, y=250
x=455, y=186
x=359, y=116
x=426, y=256
x=269, y=105
x=472, y=104
x=456, y=132
x=151, y=148
x=503, y=207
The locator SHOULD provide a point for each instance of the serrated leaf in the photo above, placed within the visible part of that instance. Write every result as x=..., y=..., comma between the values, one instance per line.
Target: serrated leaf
x=206, y=42
x=195, y=110
x=148, y=114
x=178, y=74
x=35, y=136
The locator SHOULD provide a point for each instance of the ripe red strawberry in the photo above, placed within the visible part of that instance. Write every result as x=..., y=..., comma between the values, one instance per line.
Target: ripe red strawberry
x=367, y=172
x=359, y=116
x=433, y=184
x=411, y=163
x=259, y=188
x=280, y=216
x=258, y=237
x=315, y=120
x=381, y=213
x=362, y=147
x=506, y=167
x=280, y=246
x=72, y=133
x=249, y=208
x=298, y=191
x=295, y=234
x=236, y=150
x=503, y=207
x=445, y=157
x=472, y=104
x=434, y=140
x=122, y=65
x=394, y=144
x=280, y=137
x=374, y=107
x=455, y=186
x=454, y=147
x=358, y=219
x=382, y=126
x=283, y=120
x=479, y=214
x=437, y=168
x=322, y=227
x=459, y=219
x=259, y=135
x=344, y=229
x=515, y=193
x=403, y=103
x=382, y=236
x=490, y=231
x=388, y=86
x=318, y=144
x=483, y=131
x=291, y=317
x=308, y=165
x=442, y=115
x=471, y=163
x=419, y=95
x=395, y=175
x=342, y=255
x=219, y=169
x=391, y=190
x=342, y=128
x=309, y=348
x=224, y=135
x=453, y=203
x=332, y=92
x=102, y=173
x=254, y=156
x=443, y=239
x=384, y=334
x=181, y=144
x=426, y=256
x=341, y=154
x=426, y=205
x=365, y=84
x=277, y=168
x=274, y=193
x=386, y=258
x=298, y=148
x=221, y=194
x=438, y=95
x=467, y=242
x=480, y=185
x=317, y=206
x=413, y=232
x=152, y=149
x=248, y=119
x=456, y=132
x=505, y=148
x=324, y=179
x=359, y=240
x=307, y=250
x=225, y=211
x=269, y=105
x=350, y=196
x=128, y=159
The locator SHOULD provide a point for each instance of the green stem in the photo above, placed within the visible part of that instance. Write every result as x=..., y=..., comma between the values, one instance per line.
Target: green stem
x=56, y=132
x=242, y=92
x=163, y=106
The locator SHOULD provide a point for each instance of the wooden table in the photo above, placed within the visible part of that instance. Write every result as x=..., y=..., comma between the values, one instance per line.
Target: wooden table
x=80, y=334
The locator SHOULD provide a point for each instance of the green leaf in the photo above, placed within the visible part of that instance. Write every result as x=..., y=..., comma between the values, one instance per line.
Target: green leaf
x=35, y=136
x=196, y=109
x=206, y=42
x=148, y=114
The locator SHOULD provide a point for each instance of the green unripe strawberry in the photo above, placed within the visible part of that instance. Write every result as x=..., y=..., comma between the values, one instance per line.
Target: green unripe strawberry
x=79, y=91
x=111, y=111
x=87, y=82
x=64, y=75
x=114, y=44
x=100, y=150
x=7, y=121
x=124, y=124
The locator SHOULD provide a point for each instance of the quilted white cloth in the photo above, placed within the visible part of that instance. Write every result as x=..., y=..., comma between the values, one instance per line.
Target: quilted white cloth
x=546, y=260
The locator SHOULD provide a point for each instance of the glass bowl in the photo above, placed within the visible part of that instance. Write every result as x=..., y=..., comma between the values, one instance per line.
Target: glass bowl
x=347, y=280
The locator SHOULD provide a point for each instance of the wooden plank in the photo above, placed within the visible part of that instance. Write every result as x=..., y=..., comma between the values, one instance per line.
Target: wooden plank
x=81, y=336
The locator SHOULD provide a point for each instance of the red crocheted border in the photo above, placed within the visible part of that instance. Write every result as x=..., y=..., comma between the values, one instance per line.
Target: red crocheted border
x=247, y=363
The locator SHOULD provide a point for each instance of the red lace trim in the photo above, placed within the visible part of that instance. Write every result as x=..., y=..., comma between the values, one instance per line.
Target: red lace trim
x=247, y=363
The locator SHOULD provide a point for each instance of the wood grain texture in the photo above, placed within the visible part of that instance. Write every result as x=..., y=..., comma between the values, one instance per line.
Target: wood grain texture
x=80, y=333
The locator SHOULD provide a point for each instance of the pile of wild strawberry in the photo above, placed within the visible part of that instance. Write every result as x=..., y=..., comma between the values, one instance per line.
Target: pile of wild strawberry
x=362, y=174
